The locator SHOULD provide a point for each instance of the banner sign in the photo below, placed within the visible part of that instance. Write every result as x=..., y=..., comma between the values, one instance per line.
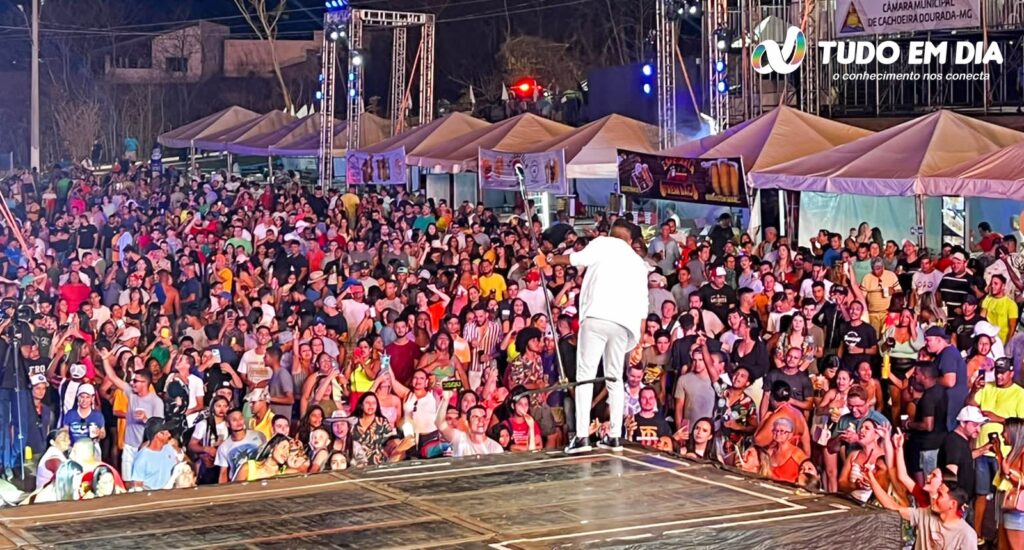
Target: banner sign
x=855, y=17
x=702, y=181
x=387, y=168
x=545, y=172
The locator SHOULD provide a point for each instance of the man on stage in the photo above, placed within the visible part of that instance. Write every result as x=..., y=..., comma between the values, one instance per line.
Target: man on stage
x=613, y=306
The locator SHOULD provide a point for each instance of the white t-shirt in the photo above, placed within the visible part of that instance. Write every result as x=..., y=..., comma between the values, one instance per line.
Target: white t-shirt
x=463, y=446
x=254, y=367
x=199, y=434
x=423, y=412
x=926, y=282
x=195, y=389
x=807, y=290
x=615, y=284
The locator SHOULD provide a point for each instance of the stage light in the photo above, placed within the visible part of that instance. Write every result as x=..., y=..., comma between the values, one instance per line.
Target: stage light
x=723, y=87
x=351, y=77
x=647, y=69
x=356, y=57
x=351, y=92
x=722, y=38
x=321, y=77
x=647, y=88
x=693, y=9
x=720, y=66
x=526, y=88
x=334, y=36
x=319, y=95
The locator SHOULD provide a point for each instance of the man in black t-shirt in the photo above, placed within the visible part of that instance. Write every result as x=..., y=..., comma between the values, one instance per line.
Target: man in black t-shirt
x=927, y=431
x=717, y=296
x=85, y=234
x=860, y=341
x=961, y=326
x=651, y=430
x=956, y=454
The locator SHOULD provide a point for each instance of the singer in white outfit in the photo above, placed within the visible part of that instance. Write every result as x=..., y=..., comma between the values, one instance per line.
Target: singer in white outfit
x=613, y=307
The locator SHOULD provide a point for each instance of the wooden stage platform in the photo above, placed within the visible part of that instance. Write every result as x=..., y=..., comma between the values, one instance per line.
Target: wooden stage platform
x=523, y=501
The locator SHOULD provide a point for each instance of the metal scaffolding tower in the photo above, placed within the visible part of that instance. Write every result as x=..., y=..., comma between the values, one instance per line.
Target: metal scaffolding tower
x=346, y=26
x=665, y=44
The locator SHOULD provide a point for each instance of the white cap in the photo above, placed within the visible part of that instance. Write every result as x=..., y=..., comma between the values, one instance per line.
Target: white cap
x=971, y=413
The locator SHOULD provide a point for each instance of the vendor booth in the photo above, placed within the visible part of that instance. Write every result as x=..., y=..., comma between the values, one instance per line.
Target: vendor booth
x=878, y=177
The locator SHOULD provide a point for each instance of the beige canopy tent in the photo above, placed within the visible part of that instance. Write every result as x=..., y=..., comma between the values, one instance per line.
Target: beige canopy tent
x=780, y=135
x=997, y=175
x=374, y=129
x=185, y=136
x=590, y=149
x=262, y=124
x=423, y=138
x=863, y=179
x=521, y=133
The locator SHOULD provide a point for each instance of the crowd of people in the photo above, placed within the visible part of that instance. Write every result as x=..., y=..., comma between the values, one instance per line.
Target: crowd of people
x=169, y=330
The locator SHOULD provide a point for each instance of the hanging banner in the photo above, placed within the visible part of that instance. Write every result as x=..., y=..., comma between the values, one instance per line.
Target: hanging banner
x=855, y=17
x=703, y=181
x=544, y=172
x=387, y=168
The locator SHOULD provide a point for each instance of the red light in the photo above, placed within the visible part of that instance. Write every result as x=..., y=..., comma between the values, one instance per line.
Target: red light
x=526, y=87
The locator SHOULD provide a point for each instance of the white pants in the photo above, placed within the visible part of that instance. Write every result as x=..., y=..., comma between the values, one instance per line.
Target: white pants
x=600, y=339
x=127, y=459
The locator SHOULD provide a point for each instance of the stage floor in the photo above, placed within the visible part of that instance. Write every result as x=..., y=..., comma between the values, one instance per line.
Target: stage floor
x=530, y=500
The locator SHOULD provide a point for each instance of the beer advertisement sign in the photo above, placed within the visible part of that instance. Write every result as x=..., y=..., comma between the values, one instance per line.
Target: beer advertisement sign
x=716, y=181
x=542, y=172
x=387, y=168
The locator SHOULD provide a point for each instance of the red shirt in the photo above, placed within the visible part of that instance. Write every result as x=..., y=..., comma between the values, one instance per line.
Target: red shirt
x=74, y=293
x=521, y=431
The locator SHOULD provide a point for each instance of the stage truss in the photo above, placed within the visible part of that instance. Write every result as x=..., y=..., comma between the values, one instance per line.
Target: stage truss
x=344, y=29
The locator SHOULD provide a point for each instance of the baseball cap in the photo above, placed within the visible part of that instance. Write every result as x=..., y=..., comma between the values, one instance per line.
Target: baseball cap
x=37, y=379
x=718, y=272
x=959, y=256
x=972, y=299
x=402, y=270
x=532, y=276
x=129, y=333
x=838, y=289
x=86, y=388
x=258, y=394
x=936, y=332
x=1004, y=364
x=330, y=301
x=971, y=413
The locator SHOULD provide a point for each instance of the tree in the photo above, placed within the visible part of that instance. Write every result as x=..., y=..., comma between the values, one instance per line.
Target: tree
x=78, y=124
x=263, y=21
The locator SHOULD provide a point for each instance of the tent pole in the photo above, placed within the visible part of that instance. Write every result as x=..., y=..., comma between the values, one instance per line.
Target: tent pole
x=919, y=217
x=270, y=167
x=229, y=163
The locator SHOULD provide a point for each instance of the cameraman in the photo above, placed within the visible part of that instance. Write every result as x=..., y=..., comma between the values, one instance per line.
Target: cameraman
x=14, y=331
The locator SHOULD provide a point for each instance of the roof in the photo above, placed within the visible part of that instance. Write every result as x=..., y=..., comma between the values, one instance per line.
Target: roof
x=890, y=162
x=590, y=151
x=521, y=133
x=780, y=135
x=186, y=135
x=423, y=138
x=250, y=128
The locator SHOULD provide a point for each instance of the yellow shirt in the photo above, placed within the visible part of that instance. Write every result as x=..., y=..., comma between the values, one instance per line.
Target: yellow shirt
x=1005, y=402
x=1000, y=311
x=492, y=283
x=228, y=278
x=266, y=427
x=878, y=301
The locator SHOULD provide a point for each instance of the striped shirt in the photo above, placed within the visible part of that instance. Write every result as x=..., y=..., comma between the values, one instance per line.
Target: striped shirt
x=492, y=336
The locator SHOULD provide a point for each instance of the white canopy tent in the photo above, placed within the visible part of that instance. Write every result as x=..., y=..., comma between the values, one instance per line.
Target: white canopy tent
x=185, y=136
x=434, y=134
x=521, y=133
x=891, y=163
x=260, y=125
